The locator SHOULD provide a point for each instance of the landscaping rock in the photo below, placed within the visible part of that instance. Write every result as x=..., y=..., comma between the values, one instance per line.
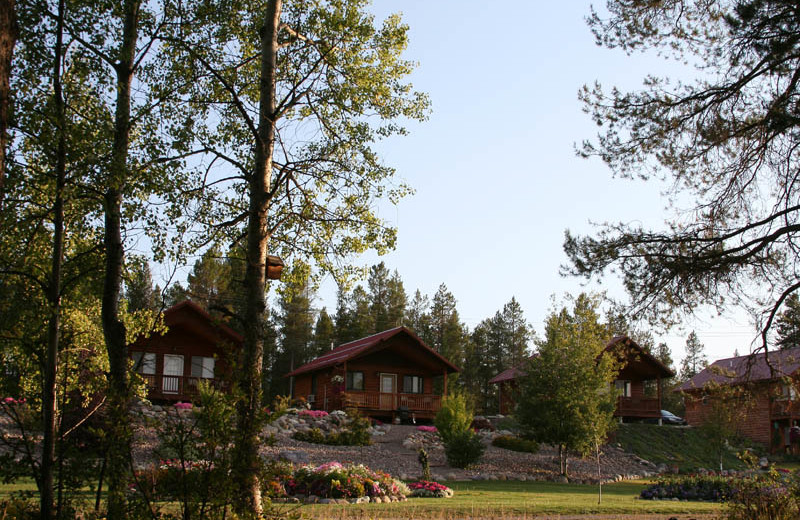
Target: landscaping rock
x=294, y=456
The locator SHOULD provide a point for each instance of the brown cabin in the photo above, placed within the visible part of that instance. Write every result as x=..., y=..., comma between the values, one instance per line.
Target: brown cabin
x=772, y=407
x=196, y=347
x=639, y=369
x=390, y=374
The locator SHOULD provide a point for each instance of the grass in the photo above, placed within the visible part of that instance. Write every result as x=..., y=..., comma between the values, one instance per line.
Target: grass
x=507, y=499
x=498, y=499
x=686, y=448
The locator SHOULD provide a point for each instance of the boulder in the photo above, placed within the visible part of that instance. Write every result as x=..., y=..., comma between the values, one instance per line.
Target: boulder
x=294, y=456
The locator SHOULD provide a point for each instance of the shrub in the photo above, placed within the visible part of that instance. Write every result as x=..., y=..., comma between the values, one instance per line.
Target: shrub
x=454, y=417
x=429, y=489
x=355, y=434
x=771, y=495
x=710, y=488
x=422, y=457
x=463, y=449
x=509, y=442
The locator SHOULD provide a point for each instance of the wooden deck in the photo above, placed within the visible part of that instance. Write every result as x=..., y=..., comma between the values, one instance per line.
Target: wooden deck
x=784, y=409
x=176, y=388
x=383, y=404
x=638, y=407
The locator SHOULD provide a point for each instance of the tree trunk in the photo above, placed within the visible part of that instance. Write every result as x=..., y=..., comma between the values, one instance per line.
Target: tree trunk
x=246, y=459
x=119, y=434
x=49, y=403
x=8, y=38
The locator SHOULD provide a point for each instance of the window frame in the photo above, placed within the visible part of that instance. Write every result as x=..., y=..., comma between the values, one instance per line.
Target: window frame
x=420, y=380
x=350, y=380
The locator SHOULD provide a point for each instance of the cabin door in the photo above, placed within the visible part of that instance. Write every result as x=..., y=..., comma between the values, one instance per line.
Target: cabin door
x=388, y=391
x=173, y=373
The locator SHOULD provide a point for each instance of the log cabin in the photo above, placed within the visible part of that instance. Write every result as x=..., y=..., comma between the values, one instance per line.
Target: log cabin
x=390, y=375
x=196, y=347
x=769, y=407
x=639, y=370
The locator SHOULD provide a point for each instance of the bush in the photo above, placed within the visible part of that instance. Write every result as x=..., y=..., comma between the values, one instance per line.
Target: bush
x=771, y=495
x=509, y=442
x=693, y=487
x=463, y=449
x=454, y=417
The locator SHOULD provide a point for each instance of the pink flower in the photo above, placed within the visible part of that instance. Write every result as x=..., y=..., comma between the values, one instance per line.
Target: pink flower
x=430, y=429
x=183, y=406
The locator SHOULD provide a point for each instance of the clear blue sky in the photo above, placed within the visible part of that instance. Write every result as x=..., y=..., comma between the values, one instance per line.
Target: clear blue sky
x=496, y=177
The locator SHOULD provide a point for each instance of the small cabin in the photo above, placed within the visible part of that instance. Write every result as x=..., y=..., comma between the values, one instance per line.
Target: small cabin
x=639, y=371
x=196, y=347
x=392, y=374
x=769, y=406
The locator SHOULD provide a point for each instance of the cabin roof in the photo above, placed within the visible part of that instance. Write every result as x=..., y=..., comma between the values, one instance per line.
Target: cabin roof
x=663, y=371
x=362, y=346
x=752, y=368
x=172, y=317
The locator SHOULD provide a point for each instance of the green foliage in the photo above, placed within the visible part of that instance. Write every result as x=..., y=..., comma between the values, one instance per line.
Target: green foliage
x=788, y=323
x=454, y=417
x=453, y=422
x=422, y=457
x=685, y=449
x=510, y=442
x=195, y=453
x=463, y=449
x=565, y=398
x=728, y=406
x=724, y=143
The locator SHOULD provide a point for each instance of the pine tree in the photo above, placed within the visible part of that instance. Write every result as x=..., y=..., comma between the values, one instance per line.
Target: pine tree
x=324, y=333
x=139, y=290
x=378, y=285
x=788, y=323
x=397, y=301
x=695, y=359
x=295, y=332
x=418, y=317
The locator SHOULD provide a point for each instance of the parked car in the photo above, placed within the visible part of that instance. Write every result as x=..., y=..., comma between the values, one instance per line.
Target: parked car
x=668, y=417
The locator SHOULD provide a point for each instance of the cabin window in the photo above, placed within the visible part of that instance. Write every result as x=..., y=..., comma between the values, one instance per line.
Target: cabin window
x=788, y=391
x=355, y=381
x=623, y=388
x=144, y=363
x=203, y=367
x=412, y=385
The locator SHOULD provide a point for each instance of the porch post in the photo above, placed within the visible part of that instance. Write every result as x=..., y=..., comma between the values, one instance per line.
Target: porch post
x=660, y=421
x=445, y=382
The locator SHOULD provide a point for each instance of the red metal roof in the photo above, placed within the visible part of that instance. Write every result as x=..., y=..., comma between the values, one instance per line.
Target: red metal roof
x=515, y=372
x=352, y=349
x=743, y=369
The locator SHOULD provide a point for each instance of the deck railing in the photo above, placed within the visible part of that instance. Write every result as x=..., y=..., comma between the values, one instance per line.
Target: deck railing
x=638, y=407
x=176, y=387
x=392, y=401
x=781, y=408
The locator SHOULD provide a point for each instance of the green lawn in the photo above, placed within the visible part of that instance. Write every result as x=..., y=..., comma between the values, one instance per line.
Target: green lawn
x=498, y=499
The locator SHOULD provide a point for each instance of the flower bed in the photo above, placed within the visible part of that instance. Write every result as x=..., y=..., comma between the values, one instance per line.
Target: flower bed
x=333, y=481
x=429, y=489
x=710, y=488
